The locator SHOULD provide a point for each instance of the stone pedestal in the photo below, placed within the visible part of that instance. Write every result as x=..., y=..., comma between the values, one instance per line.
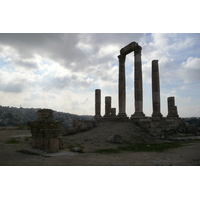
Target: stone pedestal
x=155, y=89
x=51, y=145
x=97, y=104
x=113, y=112
x=45, y=114
x=122, y=87
x=138, y=84
x=172, y=109
x=46, y=133
x=107, y=106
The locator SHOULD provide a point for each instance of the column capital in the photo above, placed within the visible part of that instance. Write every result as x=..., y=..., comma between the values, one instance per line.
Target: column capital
x=138, y=50
x=122, y=58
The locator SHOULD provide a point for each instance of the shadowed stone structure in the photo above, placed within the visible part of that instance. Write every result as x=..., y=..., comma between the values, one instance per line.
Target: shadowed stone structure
x=46, y=133
x=113, y=112
x=156, y=124
x=138, y=84
x=97, y=103
x=137, y=81
x=122, y=87
x=172, y=109
x=107, y=106
x=155, y=89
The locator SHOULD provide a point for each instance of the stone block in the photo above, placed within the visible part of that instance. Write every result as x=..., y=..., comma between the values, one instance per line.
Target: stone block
x=68, y=131
x=51, y=145
x=45, y=114
x=36, y=142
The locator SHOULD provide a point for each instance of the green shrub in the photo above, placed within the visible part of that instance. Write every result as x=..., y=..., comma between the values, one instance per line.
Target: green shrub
x=12, y=141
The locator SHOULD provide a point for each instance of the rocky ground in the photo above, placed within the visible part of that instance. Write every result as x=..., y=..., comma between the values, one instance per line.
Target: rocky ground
x=137, y=149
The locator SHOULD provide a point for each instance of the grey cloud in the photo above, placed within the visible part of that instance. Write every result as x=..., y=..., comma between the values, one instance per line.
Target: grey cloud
x=63, y=47
x=59, y=47
x=13, y=87
x=26, y=64
x=52, y=82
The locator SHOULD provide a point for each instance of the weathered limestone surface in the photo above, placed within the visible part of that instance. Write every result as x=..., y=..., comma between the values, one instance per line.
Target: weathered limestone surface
x=97, y=103
x=172, y=109
x=155, y=89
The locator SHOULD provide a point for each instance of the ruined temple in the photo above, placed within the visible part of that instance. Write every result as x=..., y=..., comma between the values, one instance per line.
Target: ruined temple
x=156, y=123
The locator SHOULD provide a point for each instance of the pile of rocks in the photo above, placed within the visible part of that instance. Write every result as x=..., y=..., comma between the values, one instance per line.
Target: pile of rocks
x=79, y=126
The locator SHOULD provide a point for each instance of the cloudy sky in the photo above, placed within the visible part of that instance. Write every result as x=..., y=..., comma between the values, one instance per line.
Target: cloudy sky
x=62, y=71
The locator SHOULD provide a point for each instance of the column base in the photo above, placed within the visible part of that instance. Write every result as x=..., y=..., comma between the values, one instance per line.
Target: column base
x=171, y=116
x=107, y=116
x=97, y=116
x=138, y=115
x=157, y=115
x=122, y=115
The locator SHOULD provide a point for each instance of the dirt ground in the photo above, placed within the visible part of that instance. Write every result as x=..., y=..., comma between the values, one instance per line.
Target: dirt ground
x=95, y=139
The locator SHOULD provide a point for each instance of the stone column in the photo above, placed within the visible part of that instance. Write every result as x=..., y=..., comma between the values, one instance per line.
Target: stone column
x=107, y=106
x=138, y=84
x=172, y=109
x=113, y=112
x=97, y=103
x=155, y=89
x=122, y=87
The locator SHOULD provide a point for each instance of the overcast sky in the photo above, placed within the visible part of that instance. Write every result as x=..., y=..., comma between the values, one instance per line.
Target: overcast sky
x=62, y=71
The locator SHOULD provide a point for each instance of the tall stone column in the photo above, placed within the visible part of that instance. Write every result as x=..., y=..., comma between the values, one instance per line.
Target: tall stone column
x=107, y=106
x=155, y=89
x=122, y=87
x=172, y=109
x=138, y=84
x=97, y=103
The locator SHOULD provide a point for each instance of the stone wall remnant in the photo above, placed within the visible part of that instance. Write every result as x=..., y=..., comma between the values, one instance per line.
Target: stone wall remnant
x=46, y=132
x=172, y=109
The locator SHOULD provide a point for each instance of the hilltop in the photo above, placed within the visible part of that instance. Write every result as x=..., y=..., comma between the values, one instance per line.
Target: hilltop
x=12, y=116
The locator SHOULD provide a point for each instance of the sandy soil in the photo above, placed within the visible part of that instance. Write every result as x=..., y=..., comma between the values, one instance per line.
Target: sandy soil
x=188, y=155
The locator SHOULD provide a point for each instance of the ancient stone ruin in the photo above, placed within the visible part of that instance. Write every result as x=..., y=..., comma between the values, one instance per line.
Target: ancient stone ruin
x=46, y=132
x=156, y=123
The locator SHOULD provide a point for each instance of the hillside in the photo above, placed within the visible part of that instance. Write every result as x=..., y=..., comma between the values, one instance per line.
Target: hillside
x=12, y=116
